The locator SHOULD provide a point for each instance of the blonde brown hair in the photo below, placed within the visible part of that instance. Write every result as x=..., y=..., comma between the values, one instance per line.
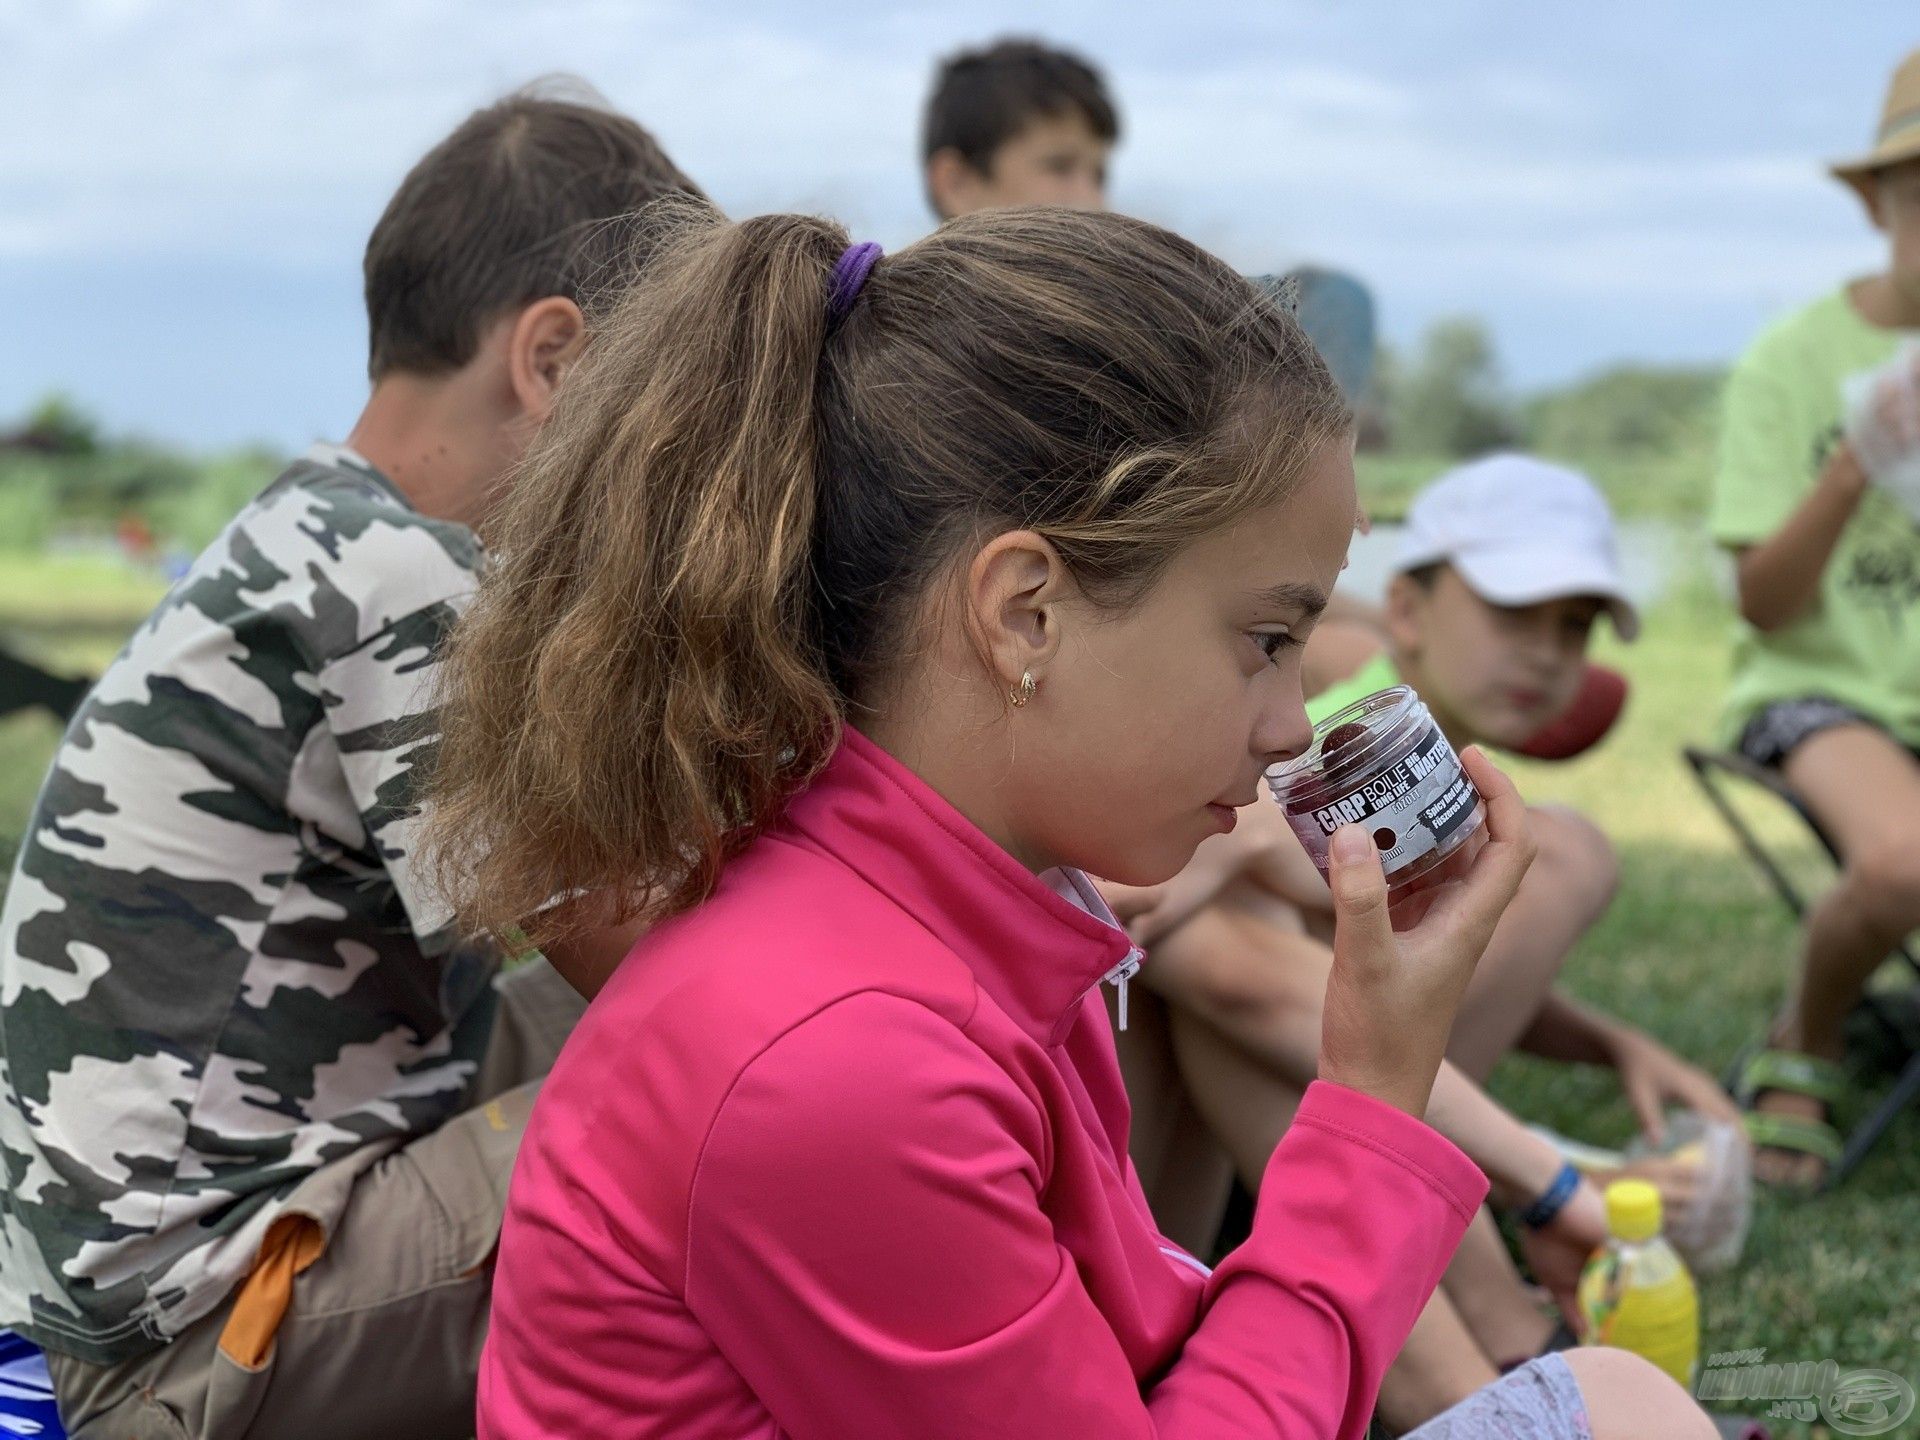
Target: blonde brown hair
x=732, y=520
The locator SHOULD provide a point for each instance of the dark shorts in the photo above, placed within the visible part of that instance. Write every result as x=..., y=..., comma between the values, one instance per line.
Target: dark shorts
x=1784, y=726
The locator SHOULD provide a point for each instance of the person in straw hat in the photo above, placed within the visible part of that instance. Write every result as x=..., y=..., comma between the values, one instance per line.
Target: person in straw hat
x=1817, y=495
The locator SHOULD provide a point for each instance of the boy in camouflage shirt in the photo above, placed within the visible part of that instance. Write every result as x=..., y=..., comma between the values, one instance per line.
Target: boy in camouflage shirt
x=239, y=1042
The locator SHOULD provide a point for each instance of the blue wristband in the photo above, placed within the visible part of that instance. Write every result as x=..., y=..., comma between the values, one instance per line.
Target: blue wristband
x=1553, y=1199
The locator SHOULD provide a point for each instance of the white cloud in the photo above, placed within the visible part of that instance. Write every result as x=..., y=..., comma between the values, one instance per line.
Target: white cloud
x=1456, y=157
x=140, y=128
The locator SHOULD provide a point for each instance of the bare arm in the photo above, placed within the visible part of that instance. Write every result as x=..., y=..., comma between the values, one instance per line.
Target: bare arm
x=1565, y=1030
x=1651, y=1075
x=1518, y=1163
x=1779, y=577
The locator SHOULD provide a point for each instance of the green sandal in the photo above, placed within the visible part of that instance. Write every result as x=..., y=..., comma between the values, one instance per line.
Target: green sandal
x=1792, y=1074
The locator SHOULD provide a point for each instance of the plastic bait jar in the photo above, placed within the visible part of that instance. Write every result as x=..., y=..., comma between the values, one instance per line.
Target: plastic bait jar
x=1383, y=764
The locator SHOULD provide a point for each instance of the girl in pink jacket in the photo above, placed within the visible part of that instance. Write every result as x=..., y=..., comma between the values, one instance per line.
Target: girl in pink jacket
x=849, y=609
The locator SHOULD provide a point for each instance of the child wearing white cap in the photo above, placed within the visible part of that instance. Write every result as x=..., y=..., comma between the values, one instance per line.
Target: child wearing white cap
x=1817, y=494
x=1506, y=564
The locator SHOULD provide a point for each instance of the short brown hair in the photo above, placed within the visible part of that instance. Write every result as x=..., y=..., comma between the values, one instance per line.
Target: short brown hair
x=724, y=538
x=983, y=98
x=510, y=208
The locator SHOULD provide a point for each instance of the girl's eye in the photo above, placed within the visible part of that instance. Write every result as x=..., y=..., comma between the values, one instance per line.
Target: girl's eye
x=1272, y=642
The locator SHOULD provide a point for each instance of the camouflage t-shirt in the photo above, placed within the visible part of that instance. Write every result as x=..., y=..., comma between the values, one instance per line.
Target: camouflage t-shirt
x=218, y=970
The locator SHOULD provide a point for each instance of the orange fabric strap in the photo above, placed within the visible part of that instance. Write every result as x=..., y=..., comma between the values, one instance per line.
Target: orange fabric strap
x=293, y=1243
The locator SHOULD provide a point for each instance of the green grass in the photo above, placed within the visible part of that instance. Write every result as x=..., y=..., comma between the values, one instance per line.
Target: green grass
x=1698, y=952
x=26, y=745
x=1695, y=950
x=67, y=593
x=69, y=613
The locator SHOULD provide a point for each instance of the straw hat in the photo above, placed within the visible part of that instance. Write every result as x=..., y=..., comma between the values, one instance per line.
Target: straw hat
x=1899, y=135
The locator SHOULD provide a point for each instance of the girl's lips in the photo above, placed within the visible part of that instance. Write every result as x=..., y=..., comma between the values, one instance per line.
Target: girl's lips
x=1528, y=699
x=1225, y=816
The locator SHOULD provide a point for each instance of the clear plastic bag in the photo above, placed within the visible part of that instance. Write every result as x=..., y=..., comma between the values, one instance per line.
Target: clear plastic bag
x=1711, y=1230
x=1883, y=425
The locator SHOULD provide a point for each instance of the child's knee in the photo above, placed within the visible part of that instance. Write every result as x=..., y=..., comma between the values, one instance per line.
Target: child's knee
x=1884, y=878
x=1575, y=852
x=1627, y=1396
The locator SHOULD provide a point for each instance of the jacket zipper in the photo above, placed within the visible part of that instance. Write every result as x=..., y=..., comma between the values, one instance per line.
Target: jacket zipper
x=1118, y=978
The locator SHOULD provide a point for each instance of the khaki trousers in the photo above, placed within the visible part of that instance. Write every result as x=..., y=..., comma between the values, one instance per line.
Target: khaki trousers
x=381, y=1333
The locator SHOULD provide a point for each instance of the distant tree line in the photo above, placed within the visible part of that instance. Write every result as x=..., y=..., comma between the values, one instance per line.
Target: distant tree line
x=1447, y=399
x=1638, y=427
x=60, y=473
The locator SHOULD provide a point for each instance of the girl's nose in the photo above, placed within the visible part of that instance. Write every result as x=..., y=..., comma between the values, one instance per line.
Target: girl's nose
x=1284, y=731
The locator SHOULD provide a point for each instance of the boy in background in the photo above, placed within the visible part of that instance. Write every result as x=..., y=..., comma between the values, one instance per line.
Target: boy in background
x=1017, y=123
x=1022, y=123
x=240, y=1040
x=1817, y=497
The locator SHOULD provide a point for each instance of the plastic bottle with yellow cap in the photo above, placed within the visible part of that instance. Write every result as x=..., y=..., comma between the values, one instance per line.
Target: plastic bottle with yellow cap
x=1636, y=1294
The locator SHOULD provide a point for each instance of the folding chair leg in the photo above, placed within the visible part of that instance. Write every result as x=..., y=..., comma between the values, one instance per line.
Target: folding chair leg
x=1867, y=1133
x=1889, y=1026
x=1709, y=769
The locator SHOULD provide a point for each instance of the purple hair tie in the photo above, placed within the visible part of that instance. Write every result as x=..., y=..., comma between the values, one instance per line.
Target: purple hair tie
x=850, y=273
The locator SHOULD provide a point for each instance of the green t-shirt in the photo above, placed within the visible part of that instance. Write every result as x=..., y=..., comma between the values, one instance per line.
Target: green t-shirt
x=1859, y=642
x=1379, y=673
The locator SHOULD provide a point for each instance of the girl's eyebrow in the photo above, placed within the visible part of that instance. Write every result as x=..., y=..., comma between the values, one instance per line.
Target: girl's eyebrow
x=1310, y=600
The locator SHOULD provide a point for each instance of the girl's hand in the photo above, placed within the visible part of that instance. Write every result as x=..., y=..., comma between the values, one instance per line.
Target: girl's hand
x=1391, y=997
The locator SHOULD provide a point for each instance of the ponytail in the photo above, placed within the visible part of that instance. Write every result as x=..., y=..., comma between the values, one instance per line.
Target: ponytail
x=727, y=532
x=637, y=690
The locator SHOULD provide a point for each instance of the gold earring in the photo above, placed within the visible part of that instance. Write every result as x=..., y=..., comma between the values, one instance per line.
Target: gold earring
x=1024, y=691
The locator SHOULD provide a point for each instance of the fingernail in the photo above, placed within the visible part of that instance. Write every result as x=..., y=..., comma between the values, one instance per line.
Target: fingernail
x=1350, y=844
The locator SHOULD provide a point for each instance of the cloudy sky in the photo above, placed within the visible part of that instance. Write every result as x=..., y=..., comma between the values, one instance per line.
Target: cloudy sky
x=185, y=186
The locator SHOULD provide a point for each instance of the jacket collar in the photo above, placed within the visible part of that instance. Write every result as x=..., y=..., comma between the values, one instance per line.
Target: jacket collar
x=1033, y=949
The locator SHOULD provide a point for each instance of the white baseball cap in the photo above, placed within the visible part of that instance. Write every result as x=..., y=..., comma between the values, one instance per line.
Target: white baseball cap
x=1520, y=531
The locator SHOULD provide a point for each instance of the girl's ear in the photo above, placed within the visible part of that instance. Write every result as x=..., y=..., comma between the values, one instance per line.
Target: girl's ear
x=1015, y=587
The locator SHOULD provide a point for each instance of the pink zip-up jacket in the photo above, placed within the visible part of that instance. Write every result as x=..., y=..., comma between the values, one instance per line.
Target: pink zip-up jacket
x=843, y=1153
